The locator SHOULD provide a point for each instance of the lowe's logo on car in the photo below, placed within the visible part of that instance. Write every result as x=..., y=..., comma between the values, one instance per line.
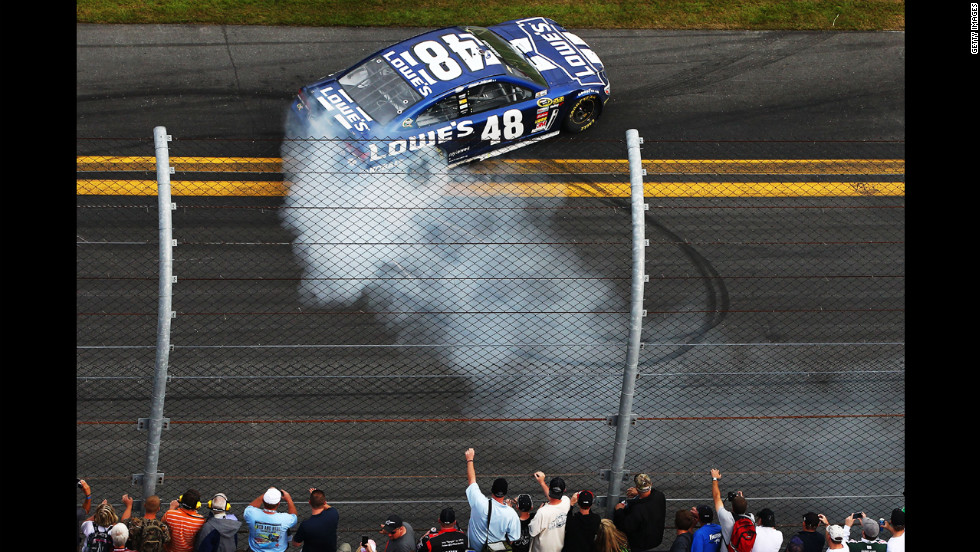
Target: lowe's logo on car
x=350, y=115
x=404, y=63
x=438, y=136
x=579, y=60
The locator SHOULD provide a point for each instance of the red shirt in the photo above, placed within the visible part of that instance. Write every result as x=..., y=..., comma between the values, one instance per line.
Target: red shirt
x=184, y=525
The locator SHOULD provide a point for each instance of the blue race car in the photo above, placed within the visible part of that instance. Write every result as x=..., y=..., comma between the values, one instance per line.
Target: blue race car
x=472, y=92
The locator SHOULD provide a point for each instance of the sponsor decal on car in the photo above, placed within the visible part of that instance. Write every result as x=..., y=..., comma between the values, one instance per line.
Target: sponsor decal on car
x=545, y=102
x=346, y=112
x=571, y=54
x=430, y=61
x=441, y=135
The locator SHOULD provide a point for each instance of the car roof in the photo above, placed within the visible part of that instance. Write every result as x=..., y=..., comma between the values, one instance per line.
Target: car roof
x=407, y=56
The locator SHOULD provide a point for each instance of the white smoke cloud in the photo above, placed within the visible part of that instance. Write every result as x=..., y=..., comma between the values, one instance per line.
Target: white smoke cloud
x=439, y=263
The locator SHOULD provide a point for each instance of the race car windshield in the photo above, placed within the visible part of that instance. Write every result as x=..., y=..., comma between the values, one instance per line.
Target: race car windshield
x=514, y=61
x=379, y=90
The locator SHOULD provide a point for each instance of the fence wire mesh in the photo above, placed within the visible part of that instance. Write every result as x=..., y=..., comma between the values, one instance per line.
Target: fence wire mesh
x=356, y=331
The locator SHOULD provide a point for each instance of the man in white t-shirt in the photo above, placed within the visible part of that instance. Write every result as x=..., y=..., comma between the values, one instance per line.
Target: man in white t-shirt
x=835, y=537
x=548, y=525
x=896, y=525
x=767, y=537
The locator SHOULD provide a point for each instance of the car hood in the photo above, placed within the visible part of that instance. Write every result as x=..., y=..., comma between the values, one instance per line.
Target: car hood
x=561, y=56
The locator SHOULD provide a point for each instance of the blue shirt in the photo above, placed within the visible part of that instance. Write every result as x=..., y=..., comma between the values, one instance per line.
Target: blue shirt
x=504, y=521
x=268, y=531
x=707, y=538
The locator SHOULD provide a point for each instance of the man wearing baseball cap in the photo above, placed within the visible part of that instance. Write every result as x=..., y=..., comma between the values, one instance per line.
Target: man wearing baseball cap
x=523, y=504
x=836, y=535
x=266, y=526
x=401, y=536
x=582, y=526
x=548, y=526
x=896, y=525
x=445, y=537
x=643, y=515
x=707, y=537
x=869, y=535
x=491, y=519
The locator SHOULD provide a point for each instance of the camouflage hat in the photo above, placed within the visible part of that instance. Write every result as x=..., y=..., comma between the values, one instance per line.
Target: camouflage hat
x=643, y=482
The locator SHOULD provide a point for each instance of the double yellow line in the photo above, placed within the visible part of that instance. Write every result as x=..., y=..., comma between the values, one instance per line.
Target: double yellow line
x=686, y=187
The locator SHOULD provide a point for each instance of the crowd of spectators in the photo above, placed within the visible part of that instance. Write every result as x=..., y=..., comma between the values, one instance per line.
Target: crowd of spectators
x=560, y=523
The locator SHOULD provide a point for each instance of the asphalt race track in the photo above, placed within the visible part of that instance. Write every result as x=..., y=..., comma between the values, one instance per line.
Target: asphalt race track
x=691, y=95
x=234, y=82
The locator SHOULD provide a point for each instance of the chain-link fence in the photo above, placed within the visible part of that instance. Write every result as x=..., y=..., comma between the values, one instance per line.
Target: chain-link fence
x=356, y=331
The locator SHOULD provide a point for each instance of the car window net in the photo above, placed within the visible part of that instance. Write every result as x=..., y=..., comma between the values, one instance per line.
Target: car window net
x=495, y=94
x=379, y=90
x=443, y=111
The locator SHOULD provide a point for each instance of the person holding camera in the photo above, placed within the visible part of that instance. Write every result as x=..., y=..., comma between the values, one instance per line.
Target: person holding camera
x=642, y=515
x=737, y=527
x=896, y=526
x=267, y=527
x=869, y=534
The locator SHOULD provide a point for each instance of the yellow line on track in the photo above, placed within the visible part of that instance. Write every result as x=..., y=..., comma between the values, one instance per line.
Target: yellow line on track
x=225, y=188
x=525, y=166
x=860, y=168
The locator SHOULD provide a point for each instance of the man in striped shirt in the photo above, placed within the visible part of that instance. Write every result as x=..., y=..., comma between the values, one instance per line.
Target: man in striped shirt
x=184, y=521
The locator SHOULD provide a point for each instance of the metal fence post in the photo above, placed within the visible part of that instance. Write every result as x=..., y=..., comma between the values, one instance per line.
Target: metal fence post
x=156, y=422
x=625, y=418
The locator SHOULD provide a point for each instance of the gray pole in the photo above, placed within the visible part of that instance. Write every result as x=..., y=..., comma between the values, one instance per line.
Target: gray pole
x=625, y=417
x=164, y=315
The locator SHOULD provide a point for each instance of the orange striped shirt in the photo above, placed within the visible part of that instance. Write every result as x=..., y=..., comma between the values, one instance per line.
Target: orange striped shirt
x=184, y=525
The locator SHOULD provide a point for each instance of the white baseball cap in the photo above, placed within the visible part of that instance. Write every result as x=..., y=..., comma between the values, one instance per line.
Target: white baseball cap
x=272, y=496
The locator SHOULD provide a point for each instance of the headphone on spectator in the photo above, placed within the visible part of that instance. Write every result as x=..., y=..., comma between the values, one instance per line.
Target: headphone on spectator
x=222, y=495
x=180, y=499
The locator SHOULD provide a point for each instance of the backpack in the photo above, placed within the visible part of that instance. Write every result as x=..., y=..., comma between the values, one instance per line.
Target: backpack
x=152, y=536
x=743, y=535
x=99, y=540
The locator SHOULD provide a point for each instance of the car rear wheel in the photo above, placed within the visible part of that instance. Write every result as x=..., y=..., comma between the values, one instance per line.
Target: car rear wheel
x=585, y=111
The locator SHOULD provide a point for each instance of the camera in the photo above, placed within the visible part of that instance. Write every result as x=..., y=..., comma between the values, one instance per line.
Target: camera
x=732, y=495
x=78, y=482
x=857, y=515
x=364, y=540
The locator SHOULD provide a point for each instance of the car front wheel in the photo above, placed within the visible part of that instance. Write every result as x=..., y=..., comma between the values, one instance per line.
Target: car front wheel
x=585, y=111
